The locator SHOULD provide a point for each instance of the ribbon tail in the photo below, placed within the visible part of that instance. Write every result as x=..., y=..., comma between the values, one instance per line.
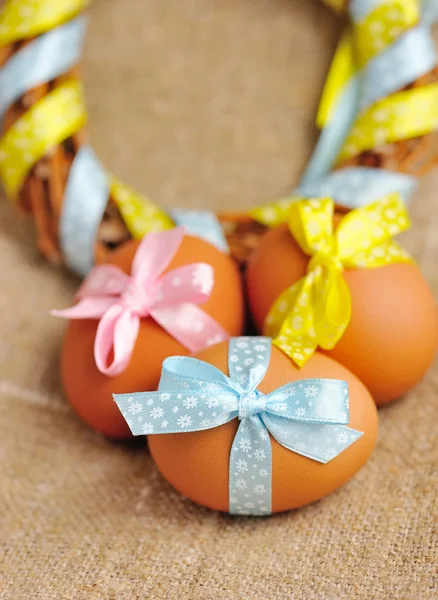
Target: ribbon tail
x=297, y=351
x=280, y=308
x=296, y=336
x=319, y=441
x=87, y=308
x=117, y=330
x=190, y=326
x=250, y=471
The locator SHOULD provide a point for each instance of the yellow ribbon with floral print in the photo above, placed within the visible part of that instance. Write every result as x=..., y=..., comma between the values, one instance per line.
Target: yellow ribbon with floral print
x=47, y=123
x=383, y=26
x=57, y=116
x=403, y=115
x=141, y=215
x=20, y=19
x=316, y=310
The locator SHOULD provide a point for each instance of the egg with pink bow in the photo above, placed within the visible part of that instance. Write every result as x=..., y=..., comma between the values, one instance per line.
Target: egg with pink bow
x=169, y=294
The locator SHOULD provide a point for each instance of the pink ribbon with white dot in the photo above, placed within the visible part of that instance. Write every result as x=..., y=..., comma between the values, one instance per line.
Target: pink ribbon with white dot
x=120, y=301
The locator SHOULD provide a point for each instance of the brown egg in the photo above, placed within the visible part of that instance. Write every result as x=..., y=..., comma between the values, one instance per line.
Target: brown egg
x=392, y=336
x=197, y=464
x=90, y=392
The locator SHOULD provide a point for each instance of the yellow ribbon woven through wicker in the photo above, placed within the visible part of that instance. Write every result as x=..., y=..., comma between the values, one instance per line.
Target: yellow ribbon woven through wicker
x=57, y=116
x=400, y=116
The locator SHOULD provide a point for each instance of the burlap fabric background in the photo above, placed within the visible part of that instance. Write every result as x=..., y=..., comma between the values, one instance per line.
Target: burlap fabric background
x=199, y=103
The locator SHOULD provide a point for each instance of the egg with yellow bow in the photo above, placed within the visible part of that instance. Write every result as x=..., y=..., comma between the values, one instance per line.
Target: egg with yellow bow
x=341, y=284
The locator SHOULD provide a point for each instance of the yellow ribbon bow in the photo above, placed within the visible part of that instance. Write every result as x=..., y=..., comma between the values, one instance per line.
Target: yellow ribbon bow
x=316, y=310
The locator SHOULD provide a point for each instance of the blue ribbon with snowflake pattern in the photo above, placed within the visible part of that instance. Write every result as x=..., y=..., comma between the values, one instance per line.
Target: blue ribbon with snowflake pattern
x=309, y=417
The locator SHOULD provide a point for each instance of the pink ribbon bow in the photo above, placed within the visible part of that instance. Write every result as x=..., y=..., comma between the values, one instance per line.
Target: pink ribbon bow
x=120, y=301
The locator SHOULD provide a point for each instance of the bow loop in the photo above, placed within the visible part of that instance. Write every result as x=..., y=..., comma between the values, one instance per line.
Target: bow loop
x=364, y=236
x=155, y=253
x=316, y=310
x=311, y=225
x=189, y=283
x=311, y=401
x=308, y=417
x=183, y=372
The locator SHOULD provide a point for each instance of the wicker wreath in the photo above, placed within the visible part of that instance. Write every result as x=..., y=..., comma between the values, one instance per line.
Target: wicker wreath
x=378, y=118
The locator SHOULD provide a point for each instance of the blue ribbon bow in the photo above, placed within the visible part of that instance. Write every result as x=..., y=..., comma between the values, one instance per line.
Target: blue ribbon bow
x=308, y=417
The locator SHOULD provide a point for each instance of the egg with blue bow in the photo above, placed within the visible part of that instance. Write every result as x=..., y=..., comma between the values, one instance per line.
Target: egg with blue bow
x=239, y=428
